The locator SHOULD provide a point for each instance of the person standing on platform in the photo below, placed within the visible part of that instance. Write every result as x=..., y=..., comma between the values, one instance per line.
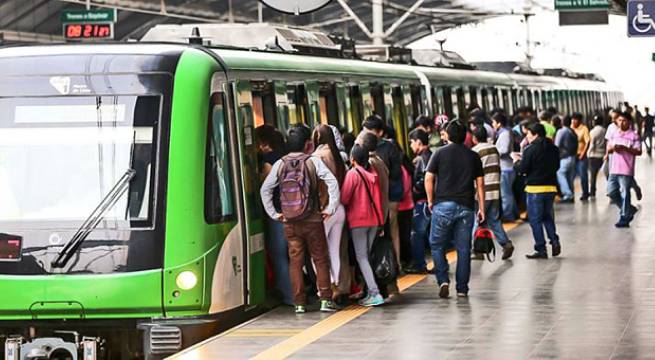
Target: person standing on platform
x=492, y=179
x=567, y=142
x=296, y=175
x=419, y=142
x=624, y=145
x=581, y=161
x=647, y=131
x=539, y=163
x=504, y=144
x=271, y=147
x=362, y=198
x=545, y=119
x=456, y=171
x=328, y=152
x=596, y=152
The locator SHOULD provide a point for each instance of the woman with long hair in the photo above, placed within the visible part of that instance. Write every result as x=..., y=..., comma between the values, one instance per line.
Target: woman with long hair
x=327, y=150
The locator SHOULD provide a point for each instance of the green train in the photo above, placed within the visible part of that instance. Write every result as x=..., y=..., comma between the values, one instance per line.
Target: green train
x=130, y=224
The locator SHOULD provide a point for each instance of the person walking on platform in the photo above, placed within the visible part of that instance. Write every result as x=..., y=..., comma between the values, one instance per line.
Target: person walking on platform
x=504, y=144
x=491, y=167
x=611, y=129
x=363, y=201
x=624, y=145
x=581, y=161
x=596, y=152
x=539, y=164
x=647, y=130
x=567, y=142
x=419, y=142
x=456, y=171
x=296, y=175
x=327, y=151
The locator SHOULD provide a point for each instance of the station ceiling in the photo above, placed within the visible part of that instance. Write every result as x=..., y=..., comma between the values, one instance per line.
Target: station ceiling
x=39, y=20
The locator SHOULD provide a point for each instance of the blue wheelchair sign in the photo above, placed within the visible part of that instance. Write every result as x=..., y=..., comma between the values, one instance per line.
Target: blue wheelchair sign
x=641, y=18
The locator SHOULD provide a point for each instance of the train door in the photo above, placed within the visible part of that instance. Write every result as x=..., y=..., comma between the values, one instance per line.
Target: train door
x=343, y=107
x=358, y=109
x=460, y=102
x=450, y=102
x=313, y=99
x=367, y=101
x=418, y=106
x=281, y=106
x=438, y=107
x=506, y=101
x=402, y=102
x=485, y=103
x=297, y=103
x=473, y=99
x=328, y=104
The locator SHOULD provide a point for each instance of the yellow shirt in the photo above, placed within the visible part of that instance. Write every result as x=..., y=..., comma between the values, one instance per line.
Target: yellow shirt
x=583, y=138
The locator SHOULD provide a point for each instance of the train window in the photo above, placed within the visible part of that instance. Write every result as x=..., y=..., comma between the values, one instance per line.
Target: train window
x=438, y=106
x=461, y=96
x=377, y=93
x=263, y=103
x=298, y=106
x=485, y=99
x=506, y=103
x=219, y=204
x=356, y=108
x=515, y=100
x=473, y=99
x=495, y=101
x=328, y=104
x=417, y=103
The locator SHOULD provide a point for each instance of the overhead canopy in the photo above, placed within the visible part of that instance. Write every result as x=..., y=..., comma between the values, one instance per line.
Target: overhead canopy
x=404, y=20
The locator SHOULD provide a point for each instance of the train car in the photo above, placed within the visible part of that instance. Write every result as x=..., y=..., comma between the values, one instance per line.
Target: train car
x=130, y=220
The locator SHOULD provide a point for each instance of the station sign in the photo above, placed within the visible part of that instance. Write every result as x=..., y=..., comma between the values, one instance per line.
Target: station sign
x=641, y=18
x=88, y=24
x=581, y=4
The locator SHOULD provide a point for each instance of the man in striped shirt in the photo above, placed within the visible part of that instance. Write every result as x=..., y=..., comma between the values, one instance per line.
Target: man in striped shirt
x=491, y=167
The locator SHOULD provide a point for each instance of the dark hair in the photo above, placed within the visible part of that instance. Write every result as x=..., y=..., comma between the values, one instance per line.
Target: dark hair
x=369, y=142
x=557, y=122
x=501, y=119
x=577, y=116
x=420, y=135
x=297, y=137
x=480, y=134
x=373, y=123
x=323, y=135
x=627, y=115
x=348, y=141
x=389, y=132
x=537, y=129
x=269, y=135
x=360, y=155
x=598, y=120
x=456, y=132
x=566, y=121
x=424, y=121
x=525, y=123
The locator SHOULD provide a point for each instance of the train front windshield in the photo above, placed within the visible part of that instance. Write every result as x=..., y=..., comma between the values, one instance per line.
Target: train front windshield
x=60, y=156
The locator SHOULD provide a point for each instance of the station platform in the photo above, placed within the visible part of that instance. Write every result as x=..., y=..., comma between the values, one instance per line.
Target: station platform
x=595, y=301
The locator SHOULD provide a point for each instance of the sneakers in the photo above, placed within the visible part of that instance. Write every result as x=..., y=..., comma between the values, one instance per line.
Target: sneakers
x=623, y=223
x=300, y=309
x=444, y=292
x=462, y=295
x=638, y=193
x=537, y=255
x=508, y=250
x=567, y=201
x=372, y=300
x=557, y=249
x=328, y=306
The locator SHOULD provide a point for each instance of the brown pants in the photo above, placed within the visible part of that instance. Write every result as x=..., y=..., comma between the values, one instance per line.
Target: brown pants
x=311, y=235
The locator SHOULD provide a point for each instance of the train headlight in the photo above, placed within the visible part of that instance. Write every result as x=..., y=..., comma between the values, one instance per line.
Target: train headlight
x=186, y=280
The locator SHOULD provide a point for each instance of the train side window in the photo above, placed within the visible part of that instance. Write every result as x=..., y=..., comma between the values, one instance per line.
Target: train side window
x=449, y=109
x=219, y=203
x=495, y=101
x=377, y=93
x=474, y=99
x=504, y=94
x=327, y=100
x=485, y=99
x=298, y=106
x=263, y=103
x=417, y=103
x=356, y=108
x=515, y=100
x=438, y=106
x=460, y=96
x=530, y=99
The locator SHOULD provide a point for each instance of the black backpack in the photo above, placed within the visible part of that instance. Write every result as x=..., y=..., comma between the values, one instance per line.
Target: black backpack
x=483, y=242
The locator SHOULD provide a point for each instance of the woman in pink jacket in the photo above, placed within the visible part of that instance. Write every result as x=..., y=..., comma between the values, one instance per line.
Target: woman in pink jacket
x=361, y=196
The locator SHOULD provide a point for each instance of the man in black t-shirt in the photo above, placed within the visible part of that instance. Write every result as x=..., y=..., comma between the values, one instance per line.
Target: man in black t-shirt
x=458, y=172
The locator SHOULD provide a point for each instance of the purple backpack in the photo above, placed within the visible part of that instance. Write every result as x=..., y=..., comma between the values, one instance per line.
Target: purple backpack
x=297, y=179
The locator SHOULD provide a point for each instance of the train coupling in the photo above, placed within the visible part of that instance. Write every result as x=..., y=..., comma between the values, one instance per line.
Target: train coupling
x=47, y=348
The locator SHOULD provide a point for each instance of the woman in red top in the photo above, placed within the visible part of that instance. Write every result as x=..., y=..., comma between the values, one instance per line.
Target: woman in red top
x=362, y=198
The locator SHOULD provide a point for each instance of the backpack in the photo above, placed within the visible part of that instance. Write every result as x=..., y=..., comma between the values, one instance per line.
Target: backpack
x=483, y=242
x=297, y=184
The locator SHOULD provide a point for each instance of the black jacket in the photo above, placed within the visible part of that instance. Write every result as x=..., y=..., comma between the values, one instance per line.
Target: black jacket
x=392, y=157
x=539, y=163
x=418, y=179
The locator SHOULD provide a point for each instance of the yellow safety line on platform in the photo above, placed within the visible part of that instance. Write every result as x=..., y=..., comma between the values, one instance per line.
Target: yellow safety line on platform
x=288, y=347
x=241, y=333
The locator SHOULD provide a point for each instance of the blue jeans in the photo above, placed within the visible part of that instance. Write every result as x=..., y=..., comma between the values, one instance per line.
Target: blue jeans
x=618, y=189
x=510, y=210
x=565, y=176
x=278, y=251
x=492, y=210
x=542, y=215
x=419, y=235
x=581, y=170
x=451, y=225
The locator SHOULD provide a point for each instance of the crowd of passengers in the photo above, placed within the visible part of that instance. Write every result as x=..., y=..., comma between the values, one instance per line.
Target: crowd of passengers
x=332, y=197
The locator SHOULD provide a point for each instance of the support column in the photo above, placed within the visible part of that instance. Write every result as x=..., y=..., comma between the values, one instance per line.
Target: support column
x=378, y=22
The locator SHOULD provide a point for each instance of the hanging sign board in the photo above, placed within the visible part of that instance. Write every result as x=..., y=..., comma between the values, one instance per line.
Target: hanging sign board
x=88, y=24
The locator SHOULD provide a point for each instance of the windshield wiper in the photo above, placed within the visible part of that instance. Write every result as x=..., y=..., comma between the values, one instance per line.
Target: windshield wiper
x=72, y=245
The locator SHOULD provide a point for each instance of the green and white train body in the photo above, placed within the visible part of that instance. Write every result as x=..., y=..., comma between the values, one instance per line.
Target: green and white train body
x=180, y=254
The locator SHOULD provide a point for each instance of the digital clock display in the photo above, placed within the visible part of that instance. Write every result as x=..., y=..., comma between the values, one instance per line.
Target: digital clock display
x=88, y=31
